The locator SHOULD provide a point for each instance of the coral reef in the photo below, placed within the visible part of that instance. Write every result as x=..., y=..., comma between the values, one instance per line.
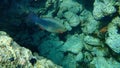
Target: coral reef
x=91, y=38
x=113, y=35
x=103, y=8
x=13, y=55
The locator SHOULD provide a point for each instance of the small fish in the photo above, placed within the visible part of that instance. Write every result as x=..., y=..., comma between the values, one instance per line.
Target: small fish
x=104, y=29
x=49, y=24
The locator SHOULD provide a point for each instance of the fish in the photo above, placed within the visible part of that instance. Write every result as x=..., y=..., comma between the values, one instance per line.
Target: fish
x=48, y=24
x=104, y=29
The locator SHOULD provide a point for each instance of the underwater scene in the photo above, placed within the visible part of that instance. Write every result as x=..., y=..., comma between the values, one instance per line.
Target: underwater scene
x=60, y=34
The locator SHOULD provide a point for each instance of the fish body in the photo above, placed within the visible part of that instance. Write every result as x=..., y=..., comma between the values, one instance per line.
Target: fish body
x=48, y=24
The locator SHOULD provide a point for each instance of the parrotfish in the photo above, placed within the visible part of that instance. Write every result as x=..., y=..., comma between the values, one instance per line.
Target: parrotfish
x=48, y=24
